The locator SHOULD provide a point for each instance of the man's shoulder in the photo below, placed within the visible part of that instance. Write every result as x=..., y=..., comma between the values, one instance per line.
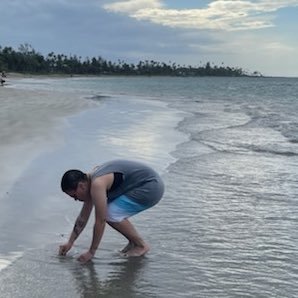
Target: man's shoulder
x=103, y=180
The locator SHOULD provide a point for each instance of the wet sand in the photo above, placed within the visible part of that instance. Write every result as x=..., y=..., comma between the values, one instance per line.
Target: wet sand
x=41, y=273
x=30, y=122
x=227, y=224
x=36, y=217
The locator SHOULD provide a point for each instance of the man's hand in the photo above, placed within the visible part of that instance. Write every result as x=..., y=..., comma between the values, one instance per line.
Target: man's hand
x=85, y=257
x=63, y=249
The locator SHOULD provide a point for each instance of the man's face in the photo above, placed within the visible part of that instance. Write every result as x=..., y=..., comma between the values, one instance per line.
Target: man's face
x=81, y=193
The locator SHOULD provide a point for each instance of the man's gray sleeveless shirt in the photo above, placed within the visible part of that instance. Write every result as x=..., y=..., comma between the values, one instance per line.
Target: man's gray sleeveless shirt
x=140, y=182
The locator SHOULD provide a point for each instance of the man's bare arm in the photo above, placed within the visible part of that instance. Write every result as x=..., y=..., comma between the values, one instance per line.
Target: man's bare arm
x=99, y=198
x=81, y=221
x=100, y=203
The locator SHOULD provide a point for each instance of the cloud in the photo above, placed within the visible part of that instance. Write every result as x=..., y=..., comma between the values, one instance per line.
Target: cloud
x=153, y=30
x=132, y=6
x=218, y=15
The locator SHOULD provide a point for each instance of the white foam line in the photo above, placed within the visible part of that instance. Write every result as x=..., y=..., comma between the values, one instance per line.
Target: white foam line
x=6, y=260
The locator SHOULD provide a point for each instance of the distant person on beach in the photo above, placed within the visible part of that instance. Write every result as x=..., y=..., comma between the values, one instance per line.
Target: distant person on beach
x=118, y=190
x=3, y=75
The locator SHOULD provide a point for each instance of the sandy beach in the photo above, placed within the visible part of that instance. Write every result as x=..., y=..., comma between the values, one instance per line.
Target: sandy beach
x=30, y=120
x=228, y=155
x=45, y=133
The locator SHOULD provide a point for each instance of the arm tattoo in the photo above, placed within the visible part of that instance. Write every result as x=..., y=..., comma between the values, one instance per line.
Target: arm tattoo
x=79, y=226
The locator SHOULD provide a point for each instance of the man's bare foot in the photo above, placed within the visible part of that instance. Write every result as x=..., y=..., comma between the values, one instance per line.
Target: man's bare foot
x=129, y=246
x=137, y=251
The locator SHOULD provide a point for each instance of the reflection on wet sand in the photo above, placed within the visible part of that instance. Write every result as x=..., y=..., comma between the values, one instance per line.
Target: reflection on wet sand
x=122, y=281
x=40, y=273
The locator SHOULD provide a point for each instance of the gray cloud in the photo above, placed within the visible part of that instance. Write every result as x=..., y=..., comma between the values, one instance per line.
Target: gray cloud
x=86, y=28
x=218, y=14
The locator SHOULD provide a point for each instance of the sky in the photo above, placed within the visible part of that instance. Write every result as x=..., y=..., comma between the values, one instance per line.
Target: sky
x=256, y=35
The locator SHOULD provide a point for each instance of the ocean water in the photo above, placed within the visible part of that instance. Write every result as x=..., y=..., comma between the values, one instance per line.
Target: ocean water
x=227, y=149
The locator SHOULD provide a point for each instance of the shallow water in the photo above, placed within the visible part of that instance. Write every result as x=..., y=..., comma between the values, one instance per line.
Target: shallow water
x=227, y=149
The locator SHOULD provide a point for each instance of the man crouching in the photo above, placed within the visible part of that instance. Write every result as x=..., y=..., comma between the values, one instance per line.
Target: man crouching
x=118, y=190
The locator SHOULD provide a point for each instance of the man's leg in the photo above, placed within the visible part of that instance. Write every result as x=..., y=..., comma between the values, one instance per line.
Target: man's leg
x=136, y=246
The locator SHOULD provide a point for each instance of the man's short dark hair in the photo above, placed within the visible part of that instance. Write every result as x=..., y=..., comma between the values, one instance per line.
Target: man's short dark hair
x=71, y=179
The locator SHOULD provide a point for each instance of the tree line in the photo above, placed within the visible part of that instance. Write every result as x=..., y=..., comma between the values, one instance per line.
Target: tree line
x=26, y=60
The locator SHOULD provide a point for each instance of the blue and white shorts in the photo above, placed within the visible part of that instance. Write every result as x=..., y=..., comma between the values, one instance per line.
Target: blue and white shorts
x=124, y=207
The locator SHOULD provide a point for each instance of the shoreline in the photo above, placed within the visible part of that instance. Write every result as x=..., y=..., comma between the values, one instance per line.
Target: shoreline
x=31, y=122
x=238, y=195
x=74, y=138
x=20, y=75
